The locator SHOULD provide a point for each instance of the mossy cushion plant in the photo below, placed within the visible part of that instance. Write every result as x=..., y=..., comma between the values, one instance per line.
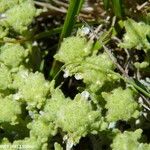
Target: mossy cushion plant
x=37, y=115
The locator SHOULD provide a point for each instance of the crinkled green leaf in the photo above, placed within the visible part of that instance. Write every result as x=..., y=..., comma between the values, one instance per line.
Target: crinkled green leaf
x=6, y=4
x=129, y=140
x=93, y=71
x=73, y=49
x=10, y=109
x=12, y=55
x=20, y=16
x=136, y=35
x=5, y=77
x=70, y=116
x=32, y=88
x=41, y=129
x=121, y=105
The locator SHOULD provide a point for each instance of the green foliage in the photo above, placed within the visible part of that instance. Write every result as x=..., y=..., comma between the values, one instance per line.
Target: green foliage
x=129, y=140
x=76, y=47
x=5, y=77
x=10, y=109
x=37, y=114
x=72, y=13
x=12, y=55
x=57, y=109
x=78, y=62
x=136, y=36
x=116, y=102
x=34, y=89
x=19, y=16
x=46, y=132
x=7, y=4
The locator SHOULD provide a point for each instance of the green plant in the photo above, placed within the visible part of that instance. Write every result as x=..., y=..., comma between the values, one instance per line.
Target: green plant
x=72, y=13
x=106, y=106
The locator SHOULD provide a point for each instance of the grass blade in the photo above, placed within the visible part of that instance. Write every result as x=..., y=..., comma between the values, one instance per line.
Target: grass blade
x=73, y=11
x=106, y=4
x=117, y=7
x=70, y=20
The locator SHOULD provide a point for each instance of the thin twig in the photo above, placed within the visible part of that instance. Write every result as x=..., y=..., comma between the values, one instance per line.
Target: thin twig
x=119, y=41
x=92, y=36
x=61, y=9
x=139, y=7
x=49, y=6
x=144, y=102
x=83, y=10
x=146, y=107
x=127, y=53
x=145, y=99
x=60, y=3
